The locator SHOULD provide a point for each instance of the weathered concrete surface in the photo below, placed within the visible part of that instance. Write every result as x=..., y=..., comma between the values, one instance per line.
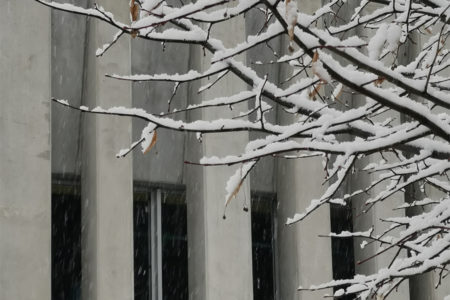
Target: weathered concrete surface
x=263, y=175
x=107, y=216
x=164, y=163
x=68, y=50
x=221, y=247
x=364, y=221
x=303, y=257
x=25, y=151
x=424, y=286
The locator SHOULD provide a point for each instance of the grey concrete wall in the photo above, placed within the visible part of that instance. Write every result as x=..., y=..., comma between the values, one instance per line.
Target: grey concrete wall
x=263, y=178
x=304, y=258
x=423, y=286
x=219, y=250
x=25, y=206
x=107, y=198
x=364, y=221
x=164, y=163
x=426, y=283
x=196, y=229
x=68, y=51
x=223, y=247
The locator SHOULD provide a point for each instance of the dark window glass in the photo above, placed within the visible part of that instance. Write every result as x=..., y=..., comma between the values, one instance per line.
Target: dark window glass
x=66, y=240
x=342, y=248
x=174, y=246
x=141, y=248
x=262, y=246
x=172, y=243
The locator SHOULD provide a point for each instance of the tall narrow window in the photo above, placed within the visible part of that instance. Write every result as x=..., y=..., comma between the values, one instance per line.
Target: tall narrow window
x=160, y=243
x=142, y=271
x=342, y=248
x=66, y=239
x=263, y=245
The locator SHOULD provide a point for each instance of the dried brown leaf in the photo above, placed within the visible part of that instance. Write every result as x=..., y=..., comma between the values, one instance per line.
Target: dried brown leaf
x=134, y=11
x=152, y=143
x=235, y=192
x=379, y=81
x=291, y=33
x=292, y=26
x=315, y=57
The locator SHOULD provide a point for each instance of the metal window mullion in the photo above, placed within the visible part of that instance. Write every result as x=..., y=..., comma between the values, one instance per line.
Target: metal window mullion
x=275, y=270
x=152, y=277
x=153, y=245
x=159, y=242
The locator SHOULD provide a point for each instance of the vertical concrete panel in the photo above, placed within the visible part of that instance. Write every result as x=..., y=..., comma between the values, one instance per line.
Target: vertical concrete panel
x=25, y=194
x=68, y=49
x=420, y=286
x=304, y=258
x=194, y=195
x=196, y=226
x=164, y=163
x=424, y=286
x=362, y=220
x=107, y=181
x=262, y=179
x=365, y=220
x=287, y=243
x=314, y=252
x=226, y=244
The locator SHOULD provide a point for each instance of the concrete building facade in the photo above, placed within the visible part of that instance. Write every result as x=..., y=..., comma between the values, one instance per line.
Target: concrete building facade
x=145, y=226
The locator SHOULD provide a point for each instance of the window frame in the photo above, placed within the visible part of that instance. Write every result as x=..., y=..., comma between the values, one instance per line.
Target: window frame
x=152, y=194
x=272, y=197
x=64, y=185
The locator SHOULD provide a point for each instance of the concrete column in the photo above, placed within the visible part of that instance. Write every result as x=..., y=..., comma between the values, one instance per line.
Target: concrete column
x=304, y=258
x=107, y=216
x=164, y=163
x=428, y=284
x=263, y=175
x=25, y=194
x=364, y=221
x=68, y=50
x=220, y=257
x=423, y=286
